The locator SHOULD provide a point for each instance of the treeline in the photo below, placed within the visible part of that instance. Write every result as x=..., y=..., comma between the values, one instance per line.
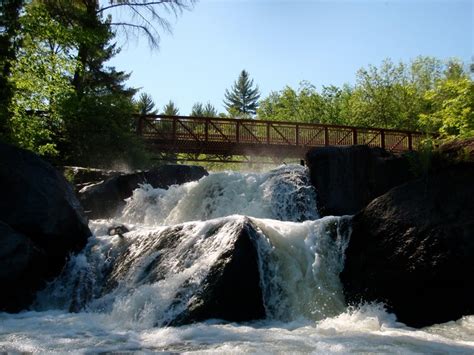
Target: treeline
x=425, y=95
x=59, y=97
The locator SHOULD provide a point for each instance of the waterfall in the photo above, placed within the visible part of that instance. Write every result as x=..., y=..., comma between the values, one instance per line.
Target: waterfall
x=283, y=194
x=236, y=262
x=151, y=274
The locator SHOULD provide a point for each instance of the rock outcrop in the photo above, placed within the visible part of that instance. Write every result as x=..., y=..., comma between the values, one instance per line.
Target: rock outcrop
x=197, y=271
x=231, y=290
x=348, y=178
x=413, y=249
x=41, y=223
x=106, y=199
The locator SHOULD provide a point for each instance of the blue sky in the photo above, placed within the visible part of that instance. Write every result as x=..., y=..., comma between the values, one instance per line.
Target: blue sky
x=284, y=42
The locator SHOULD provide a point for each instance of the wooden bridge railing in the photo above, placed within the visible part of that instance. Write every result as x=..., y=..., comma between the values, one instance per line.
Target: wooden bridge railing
x=241, y=136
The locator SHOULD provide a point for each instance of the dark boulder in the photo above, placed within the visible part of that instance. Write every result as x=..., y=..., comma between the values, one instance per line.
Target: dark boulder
x=348, y=178
x=42, y=223
x=208, y=270
x=106, y=199
x=81, y=177
x=458, y=150
x=413, y=249
x=231, y=291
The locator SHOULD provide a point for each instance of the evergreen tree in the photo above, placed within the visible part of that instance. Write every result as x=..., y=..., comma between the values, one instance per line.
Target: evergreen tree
x=243, y=97
x=197, y=110
x=9, y=26
x=145, y=105
x=210, y=110
x=170, y=109
x=201, y=110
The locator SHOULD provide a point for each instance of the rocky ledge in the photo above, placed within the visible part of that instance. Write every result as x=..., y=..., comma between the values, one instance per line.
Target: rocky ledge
x=107, y=198
x=346, y=179
x=41, y=224
x=413, y=249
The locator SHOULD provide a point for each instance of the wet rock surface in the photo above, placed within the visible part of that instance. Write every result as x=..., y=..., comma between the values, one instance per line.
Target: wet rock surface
x=413, y=249
x=42, y=222
x=348, y=178
x=106, y=199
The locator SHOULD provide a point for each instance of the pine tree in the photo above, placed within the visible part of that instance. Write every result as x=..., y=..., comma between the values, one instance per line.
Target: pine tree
x=210, y=110
x=145, y=105
x=197, y=110
x=243, y=97
x=170, y=109
x=201, y=110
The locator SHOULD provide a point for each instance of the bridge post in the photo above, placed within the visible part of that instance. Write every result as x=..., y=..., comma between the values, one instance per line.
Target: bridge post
x=268, y=133
x=140, y=125
x=297, y=132
x=354, y=136
x=174, y=130
x=326, y=136
x=382, y=139
x=410, y=142
x=237, y=132
x=206, y=130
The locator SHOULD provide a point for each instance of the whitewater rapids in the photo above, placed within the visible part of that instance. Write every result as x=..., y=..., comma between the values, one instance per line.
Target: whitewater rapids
x=300, y=257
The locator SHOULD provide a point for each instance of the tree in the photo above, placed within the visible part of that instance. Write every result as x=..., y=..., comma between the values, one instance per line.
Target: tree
x=210, y=110
x=302, y=105
x=41, y=77
x=200, y=110
x=145, y=105
x=170, y=109
x=197, y=110
x=243, y=97
x=9, y=26
x=143, y=17
x=452, y=114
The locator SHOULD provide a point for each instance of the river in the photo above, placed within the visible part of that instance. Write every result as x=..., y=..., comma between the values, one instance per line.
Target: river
x=300, y=256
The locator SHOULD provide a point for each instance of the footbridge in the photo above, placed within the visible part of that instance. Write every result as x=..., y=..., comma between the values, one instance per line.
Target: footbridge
x=227, y=137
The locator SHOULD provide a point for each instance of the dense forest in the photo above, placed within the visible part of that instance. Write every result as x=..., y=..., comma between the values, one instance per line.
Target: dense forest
x=60, y=99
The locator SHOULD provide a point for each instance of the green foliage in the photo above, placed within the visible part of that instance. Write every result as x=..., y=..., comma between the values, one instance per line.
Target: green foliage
x=200, y=110
x=424, y=94
x=145, y=105
x=242, y=99
x=170, y=109
x=99, y=132
x=305, y=104
x=197, y=110
x=9, y=41
x=452, y=114
x=422, y=161
x=40, y=75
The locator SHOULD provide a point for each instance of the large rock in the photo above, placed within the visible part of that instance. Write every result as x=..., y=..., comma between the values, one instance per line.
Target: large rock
x=348, y=178
x=231, y=290
x=106, y=199
x=42, y=223
x=413, y=249
x=458, y=150
x=81, y=177
x=190, y=272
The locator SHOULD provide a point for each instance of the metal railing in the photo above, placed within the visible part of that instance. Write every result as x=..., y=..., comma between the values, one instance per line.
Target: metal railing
x=243, y=136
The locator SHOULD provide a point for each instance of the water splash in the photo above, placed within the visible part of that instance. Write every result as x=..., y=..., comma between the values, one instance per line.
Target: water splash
x=283, y=194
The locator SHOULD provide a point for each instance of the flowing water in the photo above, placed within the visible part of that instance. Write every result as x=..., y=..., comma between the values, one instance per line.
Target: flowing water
x=121, y=291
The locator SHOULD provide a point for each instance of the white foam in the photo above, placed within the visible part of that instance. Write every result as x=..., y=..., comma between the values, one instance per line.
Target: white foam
x=284, y=194
x=299, y=265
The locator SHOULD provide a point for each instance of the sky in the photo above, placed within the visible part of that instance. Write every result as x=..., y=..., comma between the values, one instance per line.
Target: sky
x=283, y=42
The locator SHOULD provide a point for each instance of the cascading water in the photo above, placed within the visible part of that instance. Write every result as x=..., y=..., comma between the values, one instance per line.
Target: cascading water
x=124, y=290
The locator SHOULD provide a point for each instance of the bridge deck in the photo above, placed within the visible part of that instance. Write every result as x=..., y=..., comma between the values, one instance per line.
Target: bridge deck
x=224, y=136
